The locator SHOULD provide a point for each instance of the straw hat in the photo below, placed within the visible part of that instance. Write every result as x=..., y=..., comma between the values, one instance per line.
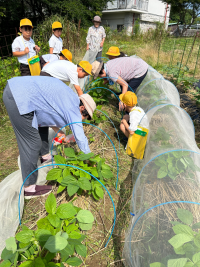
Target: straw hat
x=88, y=103
x=96, y=68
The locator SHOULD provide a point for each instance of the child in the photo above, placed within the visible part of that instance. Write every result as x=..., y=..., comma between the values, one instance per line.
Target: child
x=96, y=37
x=55, y=42
x=24, y=47
x=129, y=123
x=64, y=55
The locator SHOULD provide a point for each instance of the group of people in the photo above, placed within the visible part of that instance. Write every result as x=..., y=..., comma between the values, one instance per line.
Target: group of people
x=35, y=103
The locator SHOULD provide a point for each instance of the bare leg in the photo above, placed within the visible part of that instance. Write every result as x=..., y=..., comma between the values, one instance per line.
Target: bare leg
x=122, y=126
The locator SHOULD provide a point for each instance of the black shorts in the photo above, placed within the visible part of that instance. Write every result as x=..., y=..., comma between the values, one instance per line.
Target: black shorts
x=42, y=62
x=24, y=69
x=43, y=73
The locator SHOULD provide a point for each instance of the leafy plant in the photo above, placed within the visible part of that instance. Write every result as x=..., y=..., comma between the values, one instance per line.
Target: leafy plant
x=186, y=242
x=98, y=116
x=77, y=181
x=58, y=237
x=174, y=163
x=99, y=95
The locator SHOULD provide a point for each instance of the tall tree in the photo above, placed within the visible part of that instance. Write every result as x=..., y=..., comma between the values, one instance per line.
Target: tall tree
x=184, y=12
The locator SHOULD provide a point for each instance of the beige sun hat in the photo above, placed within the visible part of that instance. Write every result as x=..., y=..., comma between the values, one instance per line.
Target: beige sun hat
x=88, y=103
x=96, y=68
x=97, y=19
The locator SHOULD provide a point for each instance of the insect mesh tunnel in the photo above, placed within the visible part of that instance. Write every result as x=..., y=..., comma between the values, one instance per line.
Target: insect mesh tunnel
x=165, y=204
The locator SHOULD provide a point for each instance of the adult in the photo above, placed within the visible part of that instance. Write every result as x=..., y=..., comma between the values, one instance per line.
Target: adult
x=34, y=102
x=68, y=72
x=128, y=72
x=65, y=54
x=95, y=37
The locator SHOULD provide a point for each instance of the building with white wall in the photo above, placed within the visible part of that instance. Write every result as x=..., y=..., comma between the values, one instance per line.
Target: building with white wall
x=121, y=14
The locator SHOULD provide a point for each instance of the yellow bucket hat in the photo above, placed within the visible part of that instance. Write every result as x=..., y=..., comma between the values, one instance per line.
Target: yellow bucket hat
x=113, y=51
x=66, y=53
x=129, y=98
x=26, y=22
x=86, y=66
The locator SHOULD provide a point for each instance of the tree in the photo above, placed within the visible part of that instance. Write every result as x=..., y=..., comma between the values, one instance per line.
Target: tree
x=37, y=10
x=184, y=12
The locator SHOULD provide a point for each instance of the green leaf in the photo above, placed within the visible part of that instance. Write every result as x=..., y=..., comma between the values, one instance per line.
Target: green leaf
x=7, y=255
x=74, y=235
x=49, y=256
x=162, y=172
x=177, y=262
x=99, y=192
x=66, y=171
x=42, y=235
x=60, y=189
x=85, y=156
x=85, y=226
x=74, y=261
x=54, y=174
x=196, y=226
x=65, y=211
x=45, y=224
x=189, y=264
x=26, y=264
x=72, y=189
x=84, y=183
x=66, y=252
x=107, y=173
x=6, y=263
x=196, y=257
x=179, y=251
x=69, y=152
x=84, y=174
x=54, y=220
x=50, y=204
x=85, y=216
x=157, y=264
x=185, y=216
x=180, y=239
x=55, y=243
x=69, y=180
x=71, y=227
x=11, y=244
x=94, y=172
x=183, y=229
x=38, y=262
x=197, y=240
x=24, y=236
x=65, y=235
x=60, y=160
x=81, y=250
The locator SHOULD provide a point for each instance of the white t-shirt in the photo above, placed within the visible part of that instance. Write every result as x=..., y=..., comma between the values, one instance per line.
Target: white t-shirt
x=56, y=43
x=19, y=45
x=50, y=57
x=137, y=117
x=63, y=70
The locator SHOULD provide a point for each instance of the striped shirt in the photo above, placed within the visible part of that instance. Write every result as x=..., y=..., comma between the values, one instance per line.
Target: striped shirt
x=126, y=67
x=95, y=37
x=53, y=103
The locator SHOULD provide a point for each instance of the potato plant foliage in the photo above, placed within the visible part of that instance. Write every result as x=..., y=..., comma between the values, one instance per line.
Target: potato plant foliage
x=77, y=181
x=58, y=237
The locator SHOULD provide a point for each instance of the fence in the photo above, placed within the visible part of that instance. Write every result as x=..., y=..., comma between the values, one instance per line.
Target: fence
x=180, y=56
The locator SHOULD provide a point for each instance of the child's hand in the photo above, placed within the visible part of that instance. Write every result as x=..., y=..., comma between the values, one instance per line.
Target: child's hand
x=26, y=50
x=37, y=48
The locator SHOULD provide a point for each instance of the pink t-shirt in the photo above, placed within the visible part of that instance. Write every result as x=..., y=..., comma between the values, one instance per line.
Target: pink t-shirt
x=126, y=67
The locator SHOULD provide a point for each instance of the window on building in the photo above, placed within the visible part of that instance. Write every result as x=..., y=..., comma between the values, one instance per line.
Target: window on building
x=120, y=28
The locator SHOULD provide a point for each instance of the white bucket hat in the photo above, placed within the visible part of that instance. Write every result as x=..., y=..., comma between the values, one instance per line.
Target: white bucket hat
x=97, y=19
x=88, y=103
x=96, y=68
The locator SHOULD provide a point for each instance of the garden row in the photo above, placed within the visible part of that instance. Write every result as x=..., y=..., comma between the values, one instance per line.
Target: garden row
x=165, y=205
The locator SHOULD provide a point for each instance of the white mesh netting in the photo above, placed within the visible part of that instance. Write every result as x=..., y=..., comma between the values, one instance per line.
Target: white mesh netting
x=165, y=211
